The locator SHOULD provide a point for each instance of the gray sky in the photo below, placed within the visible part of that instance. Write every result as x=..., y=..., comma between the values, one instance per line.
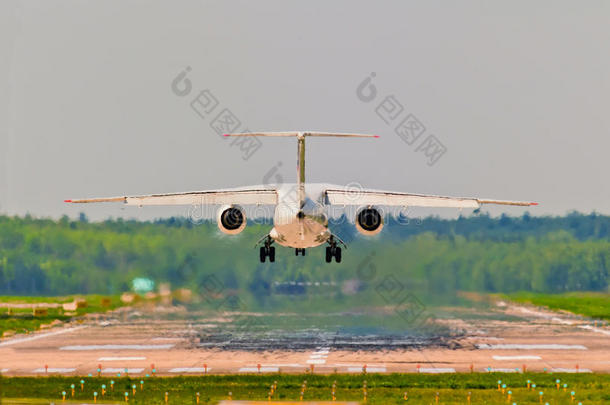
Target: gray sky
x=518, y=92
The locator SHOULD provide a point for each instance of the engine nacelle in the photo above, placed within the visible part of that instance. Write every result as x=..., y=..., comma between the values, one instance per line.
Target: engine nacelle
x=369, y=221
x=231, y=219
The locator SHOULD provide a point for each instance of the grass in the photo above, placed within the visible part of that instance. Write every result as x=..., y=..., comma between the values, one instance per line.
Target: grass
x=22, y=320
x=590, y=304
x=381, y=389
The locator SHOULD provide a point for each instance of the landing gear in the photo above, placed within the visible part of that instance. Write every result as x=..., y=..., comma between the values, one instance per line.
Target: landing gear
x=299, y=250
x=333, y=250
x=267, y=250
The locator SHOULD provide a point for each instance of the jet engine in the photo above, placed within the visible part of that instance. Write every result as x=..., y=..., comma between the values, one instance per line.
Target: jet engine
x=231, y=219
x=369, y=221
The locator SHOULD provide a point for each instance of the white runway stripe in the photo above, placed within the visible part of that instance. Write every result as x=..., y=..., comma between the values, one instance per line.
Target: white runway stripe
x=571, y=370
x=436, y=370
x=502, y=370
x=516, y=357
x=316, y=361
x=122, y=370
x=281, y=365
x=368, y=369
x=255, y=369
x=515, y=346
x=4, y=370
x=598, y=330
x=54, y=370
x=189, y=370
x=40, y=336
x=117, y=347
x=121, y=358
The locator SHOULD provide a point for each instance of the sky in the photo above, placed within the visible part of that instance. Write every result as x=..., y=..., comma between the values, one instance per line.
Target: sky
x=492, y=99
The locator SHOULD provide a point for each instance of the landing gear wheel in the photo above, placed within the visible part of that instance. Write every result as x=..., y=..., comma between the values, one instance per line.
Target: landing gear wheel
x=263, y=254
x=296, y=251
x=272, y=254
x=333, y=250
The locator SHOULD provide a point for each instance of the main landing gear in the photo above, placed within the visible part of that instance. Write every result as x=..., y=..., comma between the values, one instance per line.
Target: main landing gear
x=267, y=250
x=298, y=250
x=333, y=250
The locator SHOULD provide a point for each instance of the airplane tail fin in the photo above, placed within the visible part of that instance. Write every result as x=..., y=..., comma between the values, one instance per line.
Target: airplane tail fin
x=301, y=150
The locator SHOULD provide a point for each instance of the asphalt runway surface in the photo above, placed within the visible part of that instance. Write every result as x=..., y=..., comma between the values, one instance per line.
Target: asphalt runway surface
x=505, y=338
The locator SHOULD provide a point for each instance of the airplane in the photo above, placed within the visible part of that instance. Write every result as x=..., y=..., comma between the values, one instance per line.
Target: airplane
x=300, y=220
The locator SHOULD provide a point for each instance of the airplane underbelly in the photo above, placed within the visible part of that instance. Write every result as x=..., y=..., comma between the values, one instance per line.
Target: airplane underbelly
x=301, y=233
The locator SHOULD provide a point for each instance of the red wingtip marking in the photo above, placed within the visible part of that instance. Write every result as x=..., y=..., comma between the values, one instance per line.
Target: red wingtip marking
x=533, y=203
x=225, y=135
x=376, y=136
x=67, y=200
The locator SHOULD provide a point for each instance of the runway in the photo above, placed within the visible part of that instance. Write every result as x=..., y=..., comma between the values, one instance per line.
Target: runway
x=506, y=339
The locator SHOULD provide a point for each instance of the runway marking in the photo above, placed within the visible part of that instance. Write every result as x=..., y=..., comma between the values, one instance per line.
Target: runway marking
x=121, y=358
x=501, y=370
x=40, y=336
x=4, y=370
x=516, y=357
x=319, y=355
x=356, y=365
x=368, y=369
x=562, y=321
x=436, y=370
x=571, y=370
x=255, y=370
x=54, y=370
x=122, y=370
x=189, y=370
x=593, y=329
x=515, y=346
x=167, y=338
x=283, y=365
x=117, y=347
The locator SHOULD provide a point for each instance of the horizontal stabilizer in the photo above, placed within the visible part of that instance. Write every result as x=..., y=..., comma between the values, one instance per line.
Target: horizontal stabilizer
x=305, y=133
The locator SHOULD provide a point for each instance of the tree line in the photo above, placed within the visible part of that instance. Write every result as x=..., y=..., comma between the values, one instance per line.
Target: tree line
x=438, y=256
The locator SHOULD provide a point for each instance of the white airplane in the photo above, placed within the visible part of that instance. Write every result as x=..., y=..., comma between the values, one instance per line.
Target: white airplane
x=300, y=219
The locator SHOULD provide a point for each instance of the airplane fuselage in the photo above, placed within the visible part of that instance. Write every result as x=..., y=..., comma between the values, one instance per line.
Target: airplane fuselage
x=300, y=222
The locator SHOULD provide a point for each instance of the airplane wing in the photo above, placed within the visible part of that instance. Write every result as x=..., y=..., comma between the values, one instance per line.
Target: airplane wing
x=390, y=198
x=245, y=196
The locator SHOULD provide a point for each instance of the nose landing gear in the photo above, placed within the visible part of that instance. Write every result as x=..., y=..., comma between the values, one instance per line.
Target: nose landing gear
x=299, y=250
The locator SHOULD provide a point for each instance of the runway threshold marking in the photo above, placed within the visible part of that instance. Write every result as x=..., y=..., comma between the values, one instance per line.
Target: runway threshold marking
x=516, y=346
x=40, y=336
x=516, y=358
x=121, y=358
x=117, y=347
